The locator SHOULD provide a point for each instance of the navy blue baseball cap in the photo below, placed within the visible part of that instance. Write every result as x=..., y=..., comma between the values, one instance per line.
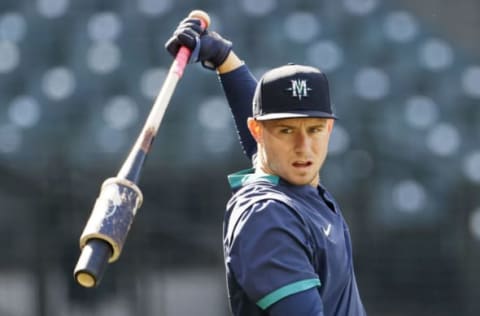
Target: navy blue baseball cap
x=292, y=91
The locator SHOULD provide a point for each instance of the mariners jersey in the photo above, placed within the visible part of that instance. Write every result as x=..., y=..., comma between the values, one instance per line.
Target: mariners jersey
x=281, y=239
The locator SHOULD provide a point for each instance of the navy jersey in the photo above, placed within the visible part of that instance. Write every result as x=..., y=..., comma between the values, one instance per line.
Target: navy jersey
x=280, y=240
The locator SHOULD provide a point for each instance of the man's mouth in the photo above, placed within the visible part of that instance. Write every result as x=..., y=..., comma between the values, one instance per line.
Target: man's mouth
x=302, y=164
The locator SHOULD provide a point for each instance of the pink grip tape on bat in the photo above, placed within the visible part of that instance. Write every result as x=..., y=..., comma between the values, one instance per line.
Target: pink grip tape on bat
x=184, y=53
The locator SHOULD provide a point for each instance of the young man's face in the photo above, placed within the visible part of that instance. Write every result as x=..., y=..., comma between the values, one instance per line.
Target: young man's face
x=293, y=149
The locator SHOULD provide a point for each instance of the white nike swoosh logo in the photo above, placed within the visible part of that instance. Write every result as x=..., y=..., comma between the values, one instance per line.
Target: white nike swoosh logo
x=327, y=230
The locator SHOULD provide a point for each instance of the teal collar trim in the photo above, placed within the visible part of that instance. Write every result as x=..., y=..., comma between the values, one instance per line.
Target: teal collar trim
x=287, y=290
x=240, y=178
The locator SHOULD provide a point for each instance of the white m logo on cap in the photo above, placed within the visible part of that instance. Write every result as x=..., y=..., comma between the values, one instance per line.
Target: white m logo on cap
x=299, y=88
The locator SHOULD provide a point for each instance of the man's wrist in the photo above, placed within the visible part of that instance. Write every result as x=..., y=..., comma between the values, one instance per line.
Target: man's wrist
x=231, y=63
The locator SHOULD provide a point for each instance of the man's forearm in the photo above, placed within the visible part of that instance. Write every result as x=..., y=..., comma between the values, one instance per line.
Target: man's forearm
x=239, y=86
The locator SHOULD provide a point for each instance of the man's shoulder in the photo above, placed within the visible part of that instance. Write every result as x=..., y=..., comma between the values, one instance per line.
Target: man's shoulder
x=257, y=191
x=259, y=205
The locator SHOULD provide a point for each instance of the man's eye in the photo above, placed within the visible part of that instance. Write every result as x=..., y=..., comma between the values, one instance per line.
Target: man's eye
x=286, y=130
x=316, y=129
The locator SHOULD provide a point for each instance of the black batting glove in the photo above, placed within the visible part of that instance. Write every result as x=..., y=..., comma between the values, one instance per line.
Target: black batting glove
x=214, y=49
x=187, y=34
x=207, y=47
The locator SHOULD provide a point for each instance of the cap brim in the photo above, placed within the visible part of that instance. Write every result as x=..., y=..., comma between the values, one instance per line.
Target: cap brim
x=285, y=115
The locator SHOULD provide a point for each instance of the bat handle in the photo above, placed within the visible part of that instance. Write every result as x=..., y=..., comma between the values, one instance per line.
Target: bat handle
x=92, y=262
x=184, y=53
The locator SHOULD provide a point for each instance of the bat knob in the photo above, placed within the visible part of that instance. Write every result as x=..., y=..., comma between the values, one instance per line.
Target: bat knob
x=202, y=15
x=92, y=262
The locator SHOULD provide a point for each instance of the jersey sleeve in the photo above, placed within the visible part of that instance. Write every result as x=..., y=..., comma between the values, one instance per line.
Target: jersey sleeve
x=305, y=303
x=239, y=88
x=271, y=255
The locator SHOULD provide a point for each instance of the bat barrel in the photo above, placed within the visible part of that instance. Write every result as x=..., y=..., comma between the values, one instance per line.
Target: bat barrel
x=92, y=262
x=107, y=228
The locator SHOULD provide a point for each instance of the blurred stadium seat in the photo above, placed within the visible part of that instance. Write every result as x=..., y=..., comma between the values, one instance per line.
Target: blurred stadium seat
x=78, y=80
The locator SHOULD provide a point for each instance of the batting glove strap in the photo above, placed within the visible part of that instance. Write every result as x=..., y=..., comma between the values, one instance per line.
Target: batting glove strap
x=195, y=53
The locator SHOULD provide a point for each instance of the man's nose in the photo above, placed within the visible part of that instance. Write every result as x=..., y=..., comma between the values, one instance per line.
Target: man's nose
x=301, y=140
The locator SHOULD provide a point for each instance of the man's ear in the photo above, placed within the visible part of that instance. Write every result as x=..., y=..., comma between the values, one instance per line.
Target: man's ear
x=330, y=123
x=255, y=128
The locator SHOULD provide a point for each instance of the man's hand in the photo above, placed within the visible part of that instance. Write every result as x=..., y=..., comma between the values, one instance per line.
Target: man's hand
x=207, y=47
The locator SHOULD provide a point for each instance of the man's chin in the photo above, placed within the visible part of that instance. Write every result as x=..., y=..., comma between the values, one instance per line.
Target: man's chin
x=303, y=180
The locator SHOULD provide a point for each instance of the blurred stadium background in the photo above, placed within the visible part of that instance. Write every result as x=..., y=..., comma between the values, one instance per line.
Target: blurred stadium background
x=77, y=79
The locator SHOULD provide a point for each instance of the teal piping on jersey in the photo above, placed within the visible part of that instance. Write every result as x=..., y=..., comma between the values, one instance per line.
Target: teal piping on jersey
x=285, y=291
x=239, y=179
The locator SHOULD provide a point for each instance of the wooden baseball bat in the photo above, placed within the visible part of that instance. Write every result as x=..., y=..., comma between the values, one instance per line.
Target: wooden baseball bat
x=105, y=233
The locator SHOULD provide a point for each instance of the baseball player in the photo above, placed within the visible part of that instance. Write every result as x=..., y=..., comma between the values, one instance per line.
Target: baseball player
x=287, y=247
